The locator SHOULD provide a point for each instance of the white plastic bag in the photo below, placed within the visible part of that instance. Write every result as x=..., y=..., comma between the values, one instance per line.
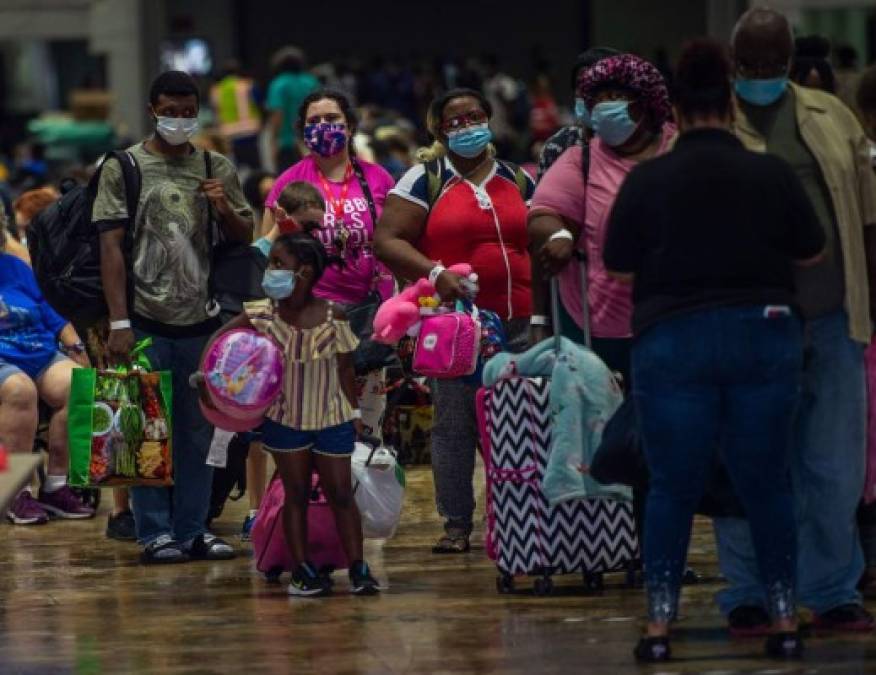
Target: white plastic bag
x=379, y=490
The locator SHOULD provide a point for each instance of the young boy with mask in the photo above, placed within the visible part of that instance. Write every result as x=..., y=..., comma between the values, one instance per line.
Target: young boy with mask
x=170, y=263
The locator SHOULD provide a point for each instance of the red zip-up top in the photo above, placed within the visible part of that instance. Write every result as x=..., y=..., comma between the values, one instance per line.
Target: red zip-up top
x=484, y=226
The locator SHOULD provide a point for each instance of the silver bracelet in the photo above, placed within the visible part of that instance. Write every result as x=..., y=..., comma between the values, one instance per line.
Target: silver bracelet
x=436, y=272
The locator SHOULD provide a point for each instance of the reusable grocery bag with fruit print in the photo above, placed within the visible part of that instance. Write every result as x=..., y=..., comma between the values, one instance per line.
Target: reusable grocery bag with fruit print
x=119, y=426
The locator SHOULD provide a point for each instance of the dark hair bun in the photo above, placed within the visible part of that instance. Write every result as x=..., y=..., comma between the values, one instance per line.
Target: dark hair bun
x=702, y=79
x=704, y=64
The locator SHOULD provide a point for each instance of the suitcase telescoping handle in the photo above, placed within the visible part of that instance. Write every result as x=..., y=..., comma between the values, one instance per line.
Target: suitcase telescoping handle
x=585, y=304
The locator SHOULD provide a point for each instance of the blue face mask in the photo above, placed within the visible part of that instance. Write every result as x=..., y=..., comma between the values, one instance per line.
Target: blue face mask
x=582, y=114
x=761, y=92
x=278, y=284
x=471, y=141
x=612, y=122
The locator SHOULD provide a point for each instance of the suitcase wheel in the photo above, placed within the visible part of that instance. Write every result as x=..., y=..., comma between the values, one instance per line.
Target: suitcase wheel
x=272, y=576
x=634, y=578
x=505, y=584
x=593, y=582
x=691, y=577
x=543, y=586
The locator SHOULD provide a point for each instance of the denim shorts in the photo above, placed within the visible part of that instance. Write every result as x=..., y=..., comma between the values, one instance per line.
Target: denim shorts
x=8, y=369
x=334, y=441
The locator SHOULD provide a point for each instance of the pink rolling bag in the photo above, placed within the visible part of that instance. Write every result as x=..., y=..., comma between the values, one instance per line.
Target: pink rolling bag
x=269, y=543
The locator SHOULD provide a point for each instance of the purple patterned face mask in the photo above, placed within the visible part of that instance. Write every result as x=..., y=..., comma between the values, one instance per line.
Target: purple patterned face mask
x=326, y=139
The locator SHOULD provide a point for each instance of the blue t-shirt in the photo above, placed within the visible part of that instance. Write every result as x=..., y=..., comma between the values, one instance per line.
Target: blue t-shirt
x=29, y=327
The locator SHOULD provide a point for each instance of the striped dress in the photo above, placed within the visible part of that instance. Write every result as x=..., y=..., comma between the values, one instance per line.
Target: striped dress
x=312, y=397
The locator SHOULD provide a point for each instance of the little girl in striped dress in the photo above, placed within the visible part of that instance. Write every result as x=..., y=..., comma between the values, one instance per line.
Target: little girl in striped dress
x=314, y=421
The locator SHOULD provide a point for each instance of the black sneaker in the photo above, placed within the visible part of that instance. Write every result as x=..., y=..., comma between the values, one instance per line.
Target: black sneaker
x=210, y=547
x=164, y=551
x=121, y=527
x=785, y=645
x=748, y=621
x=307, y=583
x=653, y=649
x=361, y=581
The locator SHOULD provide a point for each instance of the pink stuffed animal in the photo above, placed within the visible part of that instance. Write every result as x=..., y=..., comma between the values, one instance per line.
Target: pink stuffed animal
x=396, y=316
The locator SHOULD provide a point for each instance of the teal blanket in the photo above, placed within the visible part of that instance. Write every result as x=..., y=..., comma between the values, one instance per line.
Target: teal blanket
x=583, y=396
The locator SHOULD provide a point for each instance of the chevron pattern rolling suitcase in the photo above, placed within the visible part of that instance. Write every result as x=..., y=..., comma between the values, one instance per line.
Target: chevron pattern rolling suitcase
x=525, y=534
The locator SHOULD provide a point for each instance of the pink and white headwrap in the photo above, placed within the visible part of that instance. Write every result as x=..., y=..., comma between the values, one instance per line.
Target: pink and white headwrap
x=628, y=72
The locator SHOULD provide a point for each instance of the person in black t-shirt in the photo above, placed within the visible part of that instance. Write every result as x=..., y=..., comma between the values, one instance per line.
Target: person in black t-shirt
x=709, y=235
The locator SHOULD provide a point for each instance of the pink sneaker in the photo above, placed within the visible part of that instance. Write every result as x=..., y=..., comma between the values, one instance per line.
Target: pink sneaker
x=25, y=510
x=63, y=503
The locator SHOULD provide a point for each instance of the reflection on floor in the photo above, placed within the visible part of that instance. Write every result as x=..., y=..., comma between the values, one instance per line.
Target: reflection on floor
x=73, y=602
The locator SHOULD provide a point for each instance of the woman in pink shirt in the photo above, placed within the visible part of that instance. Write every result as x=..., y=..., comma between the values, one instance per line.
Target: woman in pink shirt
x=354, y=193
x=630, y=112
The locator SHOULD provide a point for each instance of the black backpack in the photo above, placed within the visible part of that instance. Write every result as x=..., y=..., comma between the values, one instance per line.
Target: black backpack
x=65, y=246
x=236, y=269
x=229, y=482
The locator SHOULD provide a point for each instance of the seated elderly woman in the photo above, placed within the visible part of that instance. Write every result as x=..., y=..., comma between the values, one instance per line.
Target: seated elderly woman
x=33, y=368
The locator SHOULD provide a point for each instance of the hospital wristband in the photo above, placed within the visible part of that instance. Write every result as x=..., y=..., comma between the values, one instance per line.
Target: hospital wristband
x=562, y=234
x=121, y=324
x=357, y=413
x=539, y=320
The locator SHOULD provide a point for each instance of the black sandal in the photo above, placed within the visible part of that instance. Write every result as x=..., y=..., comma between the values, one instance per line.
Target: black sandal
x=452, y=544
x=653, y=649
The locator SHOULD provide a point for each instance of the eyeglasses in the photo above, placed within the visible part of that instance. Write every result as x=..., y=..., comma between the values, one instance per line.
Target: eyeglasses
x=464, y=120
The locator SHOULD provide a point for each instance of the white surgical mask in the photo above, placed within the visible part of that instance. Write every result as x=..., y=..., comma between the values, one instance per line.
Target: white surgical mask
x=177, y=130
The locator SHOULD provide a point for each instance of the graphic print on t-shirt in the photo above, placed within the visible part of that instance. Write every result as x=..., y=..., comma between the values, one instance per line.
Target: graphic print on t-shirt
x=349, y=232
x=170, y=270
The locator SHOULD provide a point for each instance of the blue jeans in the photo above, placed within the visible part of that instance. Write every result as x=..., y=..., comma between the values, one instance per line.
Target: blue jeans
x=181, y=511
x=723, y=378
x=827, y=472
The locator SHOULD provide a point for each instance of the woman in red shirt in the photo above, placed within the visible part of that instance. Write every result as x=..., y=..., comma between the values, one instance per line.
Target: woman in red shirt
x=461, y=206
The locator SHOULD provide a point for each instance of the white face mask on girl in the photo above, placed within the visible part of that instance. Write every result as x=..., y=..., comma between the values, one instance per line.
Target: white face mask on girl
x=176, y=130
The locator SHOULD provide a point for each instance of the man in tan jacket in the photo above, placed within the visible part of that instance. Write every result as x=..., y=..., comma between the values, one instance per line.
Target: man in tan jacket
x=827, y=148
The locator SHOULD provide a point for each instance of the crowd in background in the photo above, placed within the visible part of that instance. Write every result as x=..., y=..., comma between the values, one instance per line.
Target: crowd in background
x=391, y=96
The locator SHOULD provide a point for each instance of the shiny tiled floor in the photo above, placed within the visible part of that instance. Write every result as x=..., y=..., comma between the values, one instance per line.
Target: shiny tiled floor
x=73, y=602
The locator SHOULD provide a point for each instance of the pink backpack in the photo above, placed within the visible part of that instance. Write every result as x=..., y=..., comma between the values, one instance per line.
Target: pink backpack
x=448, y=345
x=269, y=543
